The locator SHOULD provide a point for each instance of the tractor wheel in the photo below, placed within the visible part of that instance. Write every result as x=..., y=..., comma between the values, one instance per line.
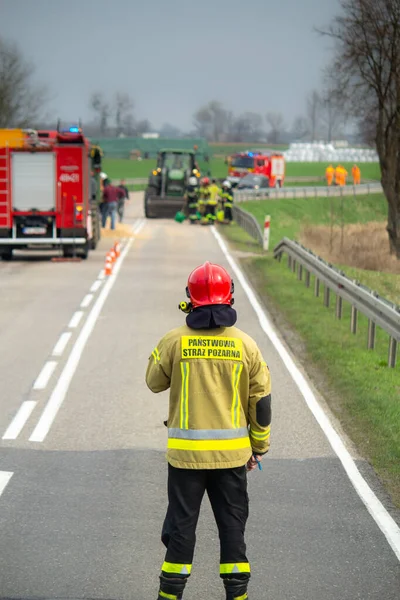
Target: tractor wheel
x=151, y=191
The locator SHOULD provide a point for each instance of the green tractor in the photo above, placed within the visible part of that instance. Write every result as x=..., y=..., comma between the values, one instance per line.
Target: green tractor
x=164, y=195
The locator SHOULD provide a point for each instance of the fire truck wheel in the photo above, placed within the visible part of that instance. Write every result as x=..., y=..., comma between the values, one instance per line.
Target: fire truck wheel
x=6, y=254
x=83, y=251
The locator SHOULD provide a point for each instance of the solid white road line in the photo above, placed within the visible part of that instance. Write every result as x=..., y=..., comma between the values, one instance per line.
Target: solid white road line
x=58, y=395
x=45, y=375
x=16, y=425
x=138, y=226
x=76, y=319
x=385, y=522
x=5, y=477
x=101, y=275
x=61, y=344
x=95, y=286
x=87, y=300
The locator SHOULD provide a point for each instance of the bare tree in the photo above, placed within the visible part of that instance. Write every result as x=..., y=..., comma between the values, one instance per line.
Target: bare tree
x=300, y=128
x=275, y=122
x=202, y=120
x=21, y=102
x=101, y=107
x=123, y=111
x=313, y=113
x=367, y=63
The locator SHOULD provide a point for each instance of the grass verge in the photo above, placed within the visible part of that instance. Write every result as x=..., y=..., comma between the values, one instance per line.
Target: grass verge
x=362, y=392
x=117, y=168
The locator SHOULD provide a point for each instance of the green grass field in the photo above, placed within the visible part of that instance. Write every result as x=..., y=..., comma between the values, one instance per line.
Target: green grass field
x=125, y=168
x=361, y=390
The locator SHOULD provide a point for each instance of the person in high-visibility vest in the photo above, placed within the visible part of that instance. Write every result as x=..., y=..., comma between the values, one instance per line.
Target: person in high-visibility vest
x=344, y=175
x=218, y=423
x=204, y=194
x=329, y=173
x=211, y=204
x=356, y=173
x=339, y=175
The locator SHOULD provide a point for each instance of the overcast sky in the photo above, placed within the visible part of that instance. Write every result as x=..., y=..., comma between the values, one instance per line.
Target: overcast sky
x=172, y=56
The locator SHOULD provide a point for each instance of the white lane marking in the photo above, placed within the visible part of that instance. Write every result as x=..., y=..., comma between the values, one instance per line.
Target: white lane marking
x=87, y=300
x=138, y=226
x=58, y=395
x=76, y=319
x=16, y=425
x=382, y=518
x=95, y=286
x=5, y=477
x=101, y=275
x=61, y=344
x=45, y=375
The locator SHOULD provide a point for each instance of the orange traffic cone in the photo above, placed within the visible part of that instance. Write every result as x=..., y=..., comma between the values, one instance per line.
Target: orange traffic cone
x=117, y=249
x=113, y=255
x=108, y=266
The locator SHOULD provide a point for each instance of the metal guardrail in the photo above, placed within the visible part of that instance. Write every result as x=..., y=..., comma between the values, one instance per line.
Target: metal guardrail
x=248, y=222
x=378, y=310
x=307, y=192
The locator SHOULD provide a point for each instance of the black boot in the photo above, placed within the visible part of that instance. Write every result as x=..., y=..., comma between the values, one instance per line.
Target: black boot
x=171, y=587
x=236, y=588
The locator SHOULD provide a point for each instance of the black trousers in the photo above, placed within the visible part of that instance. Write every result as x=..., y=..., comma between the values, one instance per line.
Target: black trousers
x=227, y=491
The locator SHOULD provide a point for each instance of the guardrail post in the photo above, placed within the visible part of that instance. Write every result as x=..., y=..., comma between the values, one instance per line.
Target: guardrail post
x=300, y=273
x=339, y=307
x=371, y=335
x=294, y=265
x=353, y=320
x=392, y=352
x=308, y=278
x=316, y=287
x=289, y=261
x=326, y=296
x=280, y=257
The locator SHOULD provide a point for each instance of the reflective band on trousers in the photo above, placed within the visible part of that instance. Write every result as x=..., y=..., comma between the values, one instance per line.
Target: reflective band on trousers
x=175, y=597
x=180, y=569
x=229, y=568
x=207, y=434
x=244, y=597
x=211, y=445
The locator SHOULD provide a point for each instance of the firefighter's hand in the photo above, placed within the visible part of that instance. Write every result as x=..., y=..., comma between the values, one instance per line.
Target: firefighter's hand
x=254, y=461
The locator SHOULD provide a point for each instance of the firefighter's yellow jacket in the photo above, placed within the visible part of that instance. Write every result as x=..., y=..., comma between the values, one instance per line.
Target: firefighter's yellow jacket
x=220, y=396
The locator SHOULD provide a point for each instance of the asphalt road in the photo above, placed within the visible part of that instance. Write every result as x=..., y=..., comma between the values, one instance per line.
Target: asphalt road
x=83, y=443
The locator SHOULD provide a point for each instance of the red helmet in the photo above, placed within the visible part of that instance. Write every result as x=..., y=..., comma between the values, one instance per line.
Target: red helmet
x=209, y=284
x=205, y=181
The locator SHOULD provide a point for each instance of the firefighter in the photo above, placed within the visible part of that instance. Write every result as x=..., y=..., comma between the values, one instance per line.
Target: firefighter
x=329, y=173
x=227, y=201
x=218, y=428
x=211, y=204
x=356, y=173
x=204, y=194
x=191, y=197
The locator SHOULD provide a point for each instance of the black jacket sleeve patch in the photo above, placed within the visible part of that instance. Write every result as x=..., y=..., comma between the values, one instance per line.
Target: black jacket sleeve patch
x=263, y=411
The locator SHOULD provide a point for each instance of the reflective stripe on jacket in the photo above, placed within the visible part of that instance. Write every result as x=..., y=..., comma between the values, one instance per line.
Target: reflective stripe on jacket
x=220, y=396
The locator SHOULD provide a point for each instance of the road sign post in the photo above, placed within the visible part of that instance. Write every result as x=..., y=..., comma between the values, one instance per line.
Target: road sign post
x=267, y=224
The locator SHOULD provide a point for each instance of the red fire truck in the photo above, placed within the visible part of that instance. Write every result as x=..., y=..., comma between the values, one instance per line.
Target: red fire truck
x=266, y=162
x=46, y=199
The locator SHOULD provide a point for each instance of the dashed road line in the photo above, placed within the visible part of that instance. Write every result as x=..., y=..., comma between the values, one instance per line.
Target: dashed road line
x=95, y=286
x=61, y=388
x=45, y=375
x=5, y=477
x=76, y=319
x=61, y=344
x=18, y=422
x=87, y=300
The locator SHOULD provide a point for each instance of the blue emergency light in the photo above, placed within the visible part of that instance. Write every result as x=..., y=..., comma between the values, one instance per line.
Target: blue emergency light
x=74, y=129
